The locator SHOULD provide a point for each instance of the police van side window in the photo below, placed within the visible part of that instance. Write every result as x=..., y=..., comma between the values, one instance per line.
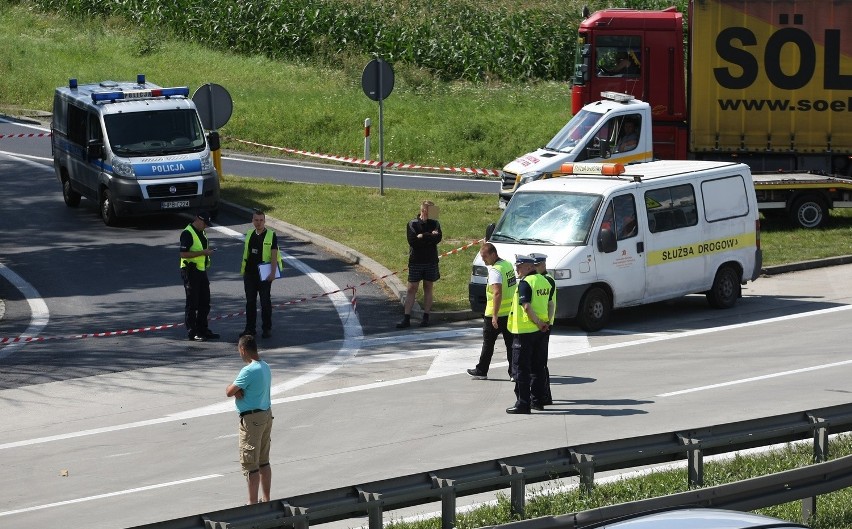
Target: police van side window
x=77, y=125
x=671, y=208
x=95, y=132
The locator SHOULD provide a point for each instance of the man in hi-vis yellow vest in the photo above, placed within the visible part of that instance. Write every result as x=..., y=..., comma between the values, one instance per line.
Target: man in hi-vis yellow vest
x=528, y=321
x=195, y=252
x=499, y=293
x=260, y=256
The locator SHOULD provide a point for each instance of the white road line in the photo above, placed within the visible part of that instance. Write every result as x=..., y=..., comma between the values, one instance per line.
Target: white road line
x=110, y=494
x=40, y=314
x=29, y=158
x=755, y=379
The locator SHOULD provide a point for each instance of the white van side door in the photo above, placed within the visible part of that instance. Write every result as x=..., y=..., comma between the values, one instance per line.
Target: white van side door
x=624, y=268
x=676, y=265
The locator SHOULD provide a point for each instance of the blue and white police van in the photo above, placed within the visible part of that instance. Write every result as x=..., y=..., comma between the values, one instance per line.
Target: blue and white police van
x=134, y=148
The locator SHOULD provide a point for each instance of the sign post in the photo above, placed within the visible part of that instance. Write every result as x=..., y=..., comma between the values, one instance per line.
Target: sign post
x=377, y=82
x=214, y=106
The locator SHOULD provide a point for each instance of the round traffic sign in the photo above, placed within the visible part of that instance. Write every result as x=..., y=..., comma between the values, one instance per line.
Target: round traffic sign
x=214, y=105
x=377, y=79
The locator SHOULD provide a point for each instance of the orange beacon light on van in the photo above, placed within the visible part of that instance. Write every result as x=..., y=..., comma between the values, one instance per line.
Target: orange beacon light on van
x=604, y=169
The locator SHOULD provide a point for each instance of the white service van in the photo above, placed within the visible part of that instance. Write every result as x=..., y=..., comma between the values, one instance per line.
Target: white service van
x=133, y=148
x=616, y=239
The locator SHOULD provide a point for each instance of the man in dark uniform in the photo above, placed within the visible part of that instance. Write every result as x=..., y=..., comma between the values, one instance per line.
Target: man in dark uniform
x=260, y=247
x=541, y=268
x=194, y=261
x=528, y=322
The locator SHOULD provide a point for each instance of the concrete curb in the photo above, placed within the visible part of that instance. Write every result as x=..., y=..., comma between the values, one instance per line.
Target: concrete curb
x=389, y=278
x=806, y=265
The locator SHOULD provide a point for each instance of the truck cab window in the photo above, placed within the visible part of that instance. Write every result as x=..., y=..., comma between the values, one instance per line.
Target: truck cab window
x=618, y=56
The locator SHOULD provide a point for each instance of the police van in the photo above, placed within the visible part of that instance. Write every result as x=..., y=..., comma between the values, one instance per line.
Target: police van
x=616, y=239
x=134, y=148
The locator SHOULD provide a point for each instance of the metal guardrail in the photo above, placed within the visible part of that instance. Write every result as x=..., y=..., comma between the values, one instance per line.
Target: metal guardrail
x=445, y=485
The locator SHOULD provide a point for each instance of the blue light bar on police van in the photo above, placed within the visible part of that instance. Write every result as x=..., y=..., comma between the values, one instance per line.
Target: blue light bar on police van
x=140, y=94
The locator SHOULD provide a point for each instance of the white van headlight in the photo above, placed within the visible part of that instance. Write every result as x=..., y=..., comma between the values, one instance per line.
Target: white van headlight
x=562, y=273
x=481, y=271
x=206, y=164
x=122, y=168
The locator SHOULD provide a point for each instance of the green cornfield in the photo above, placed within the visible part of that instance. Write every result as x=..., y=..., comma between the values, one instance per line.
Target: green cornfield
x=486, y=40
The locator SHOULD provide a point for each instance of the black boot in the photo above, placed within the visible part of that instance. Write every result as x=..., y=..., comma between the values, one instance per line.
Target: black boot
x=425, y=321
x=405, y=323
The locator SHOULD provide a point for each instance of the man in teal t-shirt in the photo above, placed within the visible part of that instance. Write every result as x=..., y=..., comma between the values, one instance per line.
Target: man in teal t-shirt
x=252, y=392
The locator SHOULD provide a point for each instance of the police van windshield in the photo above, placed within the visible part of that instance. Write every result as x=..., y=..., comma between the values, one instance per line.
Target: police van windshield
x=154, y=132
x=567, y=138
x=558, y=219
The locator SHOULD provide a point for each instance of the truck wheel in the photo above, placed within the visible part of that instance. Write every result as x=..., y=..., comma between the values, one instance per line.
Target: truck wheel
x=71, y=197
x=595, y=309
x=107, y=210
x=809, y=212
x=726, y=288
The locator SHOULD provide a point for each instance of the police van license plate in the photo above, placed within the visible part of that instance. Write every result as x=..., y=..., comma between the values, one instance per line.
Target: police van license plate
x=174, y=204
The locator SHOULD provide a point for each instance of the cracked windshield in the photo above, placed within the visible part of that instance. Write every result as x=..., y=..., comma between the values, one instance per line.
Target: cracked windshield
x=547, y=218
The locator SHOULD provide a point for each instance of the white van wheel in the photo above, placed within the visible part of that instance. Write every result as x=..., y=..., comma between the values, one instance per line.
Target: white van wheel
x=595, y=309
x=726, y=288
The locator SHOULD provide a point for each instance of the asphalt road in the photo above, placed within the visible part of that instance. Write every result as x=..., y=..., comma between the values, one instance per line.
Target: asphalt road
x=116, y=432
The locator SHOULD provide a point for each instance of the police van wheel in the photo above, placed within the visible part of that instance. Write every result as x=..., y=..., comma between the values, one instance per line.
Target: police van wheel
x=725, y=290
x=107, y=210
x=71, y=197
x=595, y=309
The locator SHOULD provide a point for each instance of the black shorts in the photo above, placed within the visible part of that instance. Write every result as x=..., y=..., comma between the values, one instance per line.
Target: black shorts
x=423, y=272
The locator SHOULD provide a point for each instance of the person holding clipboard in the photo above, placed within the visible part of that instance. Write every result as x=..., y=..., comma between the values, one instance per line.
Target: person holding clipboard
x=262, y=264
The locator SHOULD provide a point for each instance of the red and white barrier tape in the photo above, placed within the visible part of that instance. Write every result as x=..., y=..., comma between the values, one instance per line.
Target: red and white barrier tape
x=334, y=157
x=106, y=334
x=29, y=135
x=373, y=163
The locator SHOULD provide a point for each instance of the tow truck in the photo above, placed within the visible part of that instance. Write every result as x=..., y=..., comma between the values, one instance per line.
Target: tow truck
x=595, y=133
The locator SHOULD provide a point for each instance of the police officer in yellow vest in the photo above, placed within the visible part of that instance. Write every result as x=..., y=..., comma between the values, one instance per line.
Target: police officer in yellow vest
x=498, y=295
x=260, y=248
x=195, y=255
x=541, y=268
x=528, y=321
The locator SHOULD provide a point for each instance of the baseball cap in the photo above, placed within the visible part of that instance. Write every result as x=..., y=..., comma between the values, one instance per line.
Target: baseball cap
x=521, y=258
x=205, y=216
x=538, y=257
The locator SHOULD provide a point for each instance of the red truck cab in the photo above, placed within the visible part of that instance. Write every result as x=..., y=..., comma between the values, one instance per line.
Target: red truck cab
x=639, y=53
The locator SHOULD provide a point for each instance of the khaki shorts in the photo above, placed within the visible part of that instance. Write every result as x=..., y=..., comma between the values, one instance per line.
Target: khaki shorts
x=255, y=438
